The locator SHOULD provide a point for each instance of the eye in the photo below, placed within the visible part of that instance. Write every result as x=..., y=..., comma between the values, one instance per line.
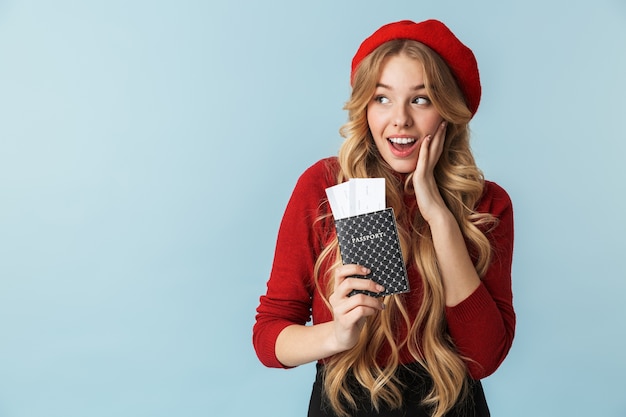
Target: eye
x=381, y=99
x=422, y=101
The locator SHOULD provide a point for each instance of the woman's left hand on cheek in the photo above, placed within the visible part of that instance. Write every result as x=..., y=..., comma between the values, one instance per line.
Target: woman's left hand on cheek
x=429, y=200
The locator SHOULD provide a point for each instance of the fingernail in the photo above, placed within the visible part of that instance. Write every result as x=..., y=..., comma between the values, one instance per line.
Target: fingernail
x=379, y=288
x=444, y=123
x=382, y=306
x=365, y=270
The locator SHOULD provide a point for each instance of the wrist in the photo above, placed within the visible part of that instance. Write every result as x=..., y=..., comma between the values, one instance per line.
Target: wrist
x=441, y=219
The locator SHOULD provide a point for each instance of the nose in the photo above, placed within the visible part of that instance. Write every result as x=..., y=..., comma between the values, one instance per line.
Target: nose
x=402, y=117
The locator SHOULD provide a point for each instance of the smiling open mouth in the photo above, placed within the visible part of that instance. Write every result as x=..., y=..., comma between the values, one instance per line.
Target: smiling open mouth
x=402, y=141
x=402, y=145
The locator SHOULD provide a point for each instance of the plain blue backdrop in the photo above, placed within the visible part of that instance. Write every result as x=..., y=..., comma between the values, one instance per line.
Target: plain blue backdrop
x=147, y=151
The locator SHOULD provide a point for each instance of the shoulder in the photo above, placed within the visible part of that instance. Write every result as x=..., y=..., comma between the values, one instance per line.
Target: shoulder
x=495, y=199
x=310, y=189
x=495, y=191
x=308, y=201
x=322, y=174
x=497, y=203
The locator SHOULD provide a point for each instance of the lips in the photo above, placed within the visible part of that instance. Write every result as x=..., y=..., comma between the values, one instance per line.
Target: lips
x=402, y=146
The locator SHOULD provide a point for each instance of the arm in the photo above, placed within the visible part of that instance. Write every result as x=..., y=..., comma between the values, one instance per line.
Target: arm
x=457, y=270
x=479, y=312
x=280, y=336
x=483, y=325
x=458, y=274
x=297, y=345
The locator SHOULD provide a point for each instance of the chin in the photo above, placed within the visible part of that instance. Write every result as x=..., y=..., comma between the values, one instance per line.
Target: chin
x=402, y=167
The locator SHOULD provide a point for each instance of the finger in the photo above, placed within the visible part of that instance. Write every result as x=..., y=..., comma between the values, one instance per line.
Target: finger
x=360, y=284
x=344, y=271
x=438, y=142
x=431, y=150
x=441, y=129
x=351, y=309
x=361, y=311
x=422, y=158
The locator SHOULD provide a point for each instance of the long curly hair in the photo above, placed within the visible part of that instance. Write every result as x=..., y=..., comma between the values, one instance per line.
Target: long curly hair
x=461, y=185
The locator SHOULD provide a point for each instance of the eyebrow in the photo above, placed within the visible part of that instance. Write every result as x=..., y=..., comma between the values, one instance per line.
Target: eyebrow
x=416, y=88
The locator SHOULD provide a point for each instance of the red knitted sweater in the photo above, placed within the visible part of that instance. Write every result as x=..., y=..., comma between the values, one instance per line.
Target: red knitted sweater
x=482, y=326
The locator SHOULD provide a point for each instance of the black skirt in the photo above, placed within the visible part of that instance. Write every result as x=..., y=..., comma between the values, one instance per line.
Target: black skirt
x=417, y=385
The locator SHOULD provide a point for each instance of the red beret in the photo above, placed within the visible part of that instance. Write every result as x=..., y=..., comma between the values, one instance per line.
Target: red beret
x=440, y=39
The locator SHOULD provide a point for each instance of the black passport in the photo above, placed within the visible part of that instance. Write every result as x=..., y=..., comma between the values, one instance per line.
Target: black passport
x=371, y=240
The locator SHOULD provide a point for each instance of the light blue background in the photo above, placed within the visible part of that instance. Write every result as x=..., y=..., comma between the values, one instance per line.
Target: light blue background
x=148, y=148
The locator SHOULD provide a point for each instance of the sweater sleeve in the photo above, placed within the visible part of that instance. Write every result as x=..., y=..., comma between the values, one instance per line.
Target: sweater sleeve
x=483, y=325
x=290, y=286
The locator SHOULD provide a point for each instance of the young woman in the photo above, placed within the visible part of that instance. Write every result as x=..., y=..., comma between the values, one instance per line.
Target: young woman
x=415, y=87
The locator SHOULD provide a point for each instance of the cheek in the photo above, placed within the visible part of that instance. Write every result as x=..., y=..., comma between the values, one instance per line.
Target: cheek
x=375, y=123
x=380, y=144
x=434, y=122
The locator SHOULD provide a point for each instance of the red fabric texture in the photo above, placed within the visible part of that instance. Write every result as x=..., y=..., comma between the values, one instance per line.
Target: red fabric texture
x=482, y=326
x=440, y=39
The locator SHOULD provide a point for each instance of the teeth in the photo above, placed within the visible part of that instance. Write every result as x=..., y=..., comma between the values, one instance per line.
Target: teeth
x=401, y=141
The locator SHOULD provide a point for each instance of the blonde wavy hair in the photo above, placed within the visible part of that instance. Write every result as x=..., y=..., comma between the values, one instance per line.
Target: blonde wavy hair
x=461, y=185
